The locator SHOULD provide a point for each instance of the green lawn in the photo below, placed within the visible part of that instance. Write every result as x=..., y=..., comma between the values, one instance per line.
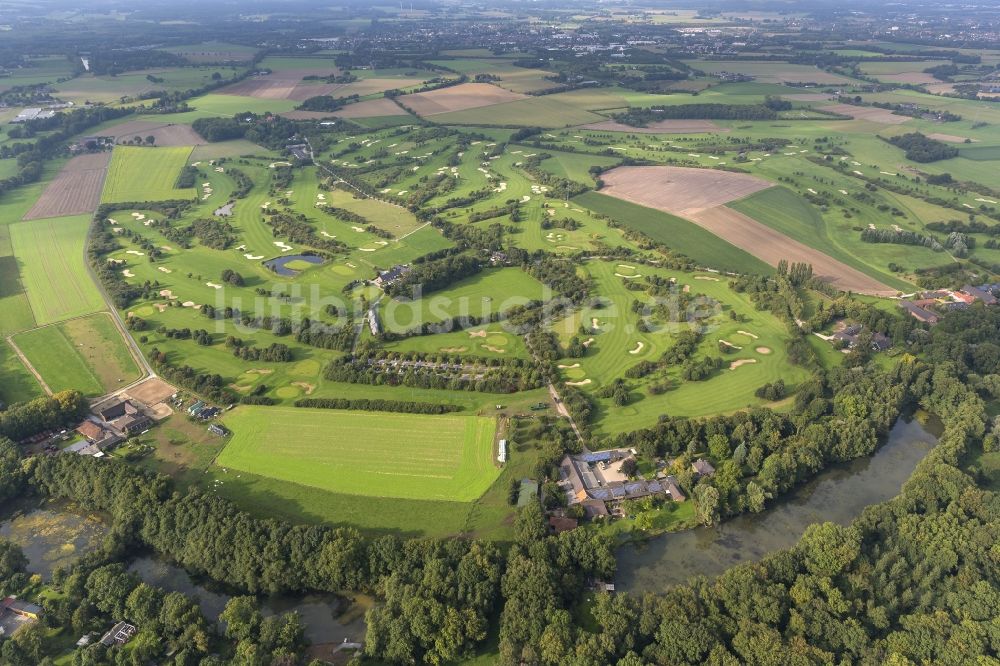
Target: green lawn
x=374, y=454
x=87, y=354
x=16, y=383
x=50, y=260
x=685, y=237
x=146, y=174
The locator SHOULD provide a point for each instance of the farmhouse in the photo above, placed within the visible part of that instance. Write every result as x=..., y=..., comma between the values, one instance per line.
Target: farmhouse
x=919, y=313
x=386, y=278
x=124, y=417
x=20, y=608
x=596, y=482
x=97, y=434
x=702, y=467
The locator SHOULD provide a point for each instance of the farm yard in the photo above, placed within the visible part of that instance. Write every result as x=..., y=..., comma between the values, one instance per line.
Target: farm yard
x=404, y=456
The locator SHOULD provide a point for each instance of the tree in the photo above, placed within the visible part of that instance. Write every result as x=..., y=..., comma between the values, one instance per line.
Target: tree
x=706, y=503
x=242, y=617
x=829, y=548
x=629, y=467
x=150, y=140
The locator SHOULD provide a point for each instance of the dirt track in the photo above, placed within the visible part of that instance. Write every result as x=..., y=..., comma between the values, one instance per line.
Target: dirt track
x=458, y=98
x=668, y=126
x=76, y=189
x=700, y=194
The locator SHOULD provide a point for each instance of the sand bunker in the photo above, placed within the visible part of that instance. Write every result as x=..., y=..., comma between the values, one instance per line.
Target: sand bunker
x=748, y=334
x=705, y=277
x=638, y=347
x=128, y=273
x=628, y=277
x=763, y=350
x=495, y=350
x=478, y=334
x=588, y=342
x=568, y=367
x=163, y=269
x=166, y=293
x=188, y=304
x=136, y=253
x=453, y=350
x=729, y=344
x=742, y=361
x=213, y=285
x=253, y=257
x=308, y=388
x=582, y=382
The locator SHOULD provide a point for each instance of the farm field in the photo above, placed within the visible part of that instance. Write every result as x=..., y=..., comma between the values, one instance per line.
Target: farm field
x=17, y=384
x=145, y=174
x=50, y=261
x=403, y=456
x=86, y=354
x=75, y=190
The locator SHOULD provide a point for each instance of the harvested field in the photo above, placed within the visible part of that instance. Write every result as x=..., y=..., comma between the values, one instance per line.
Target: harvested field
x=458, y=98
x=950, y=138
x=277, y=85
x=772, y=246
x=699, y=195
x=166, y=134
x=371, y=108
x=869, y=113
x=304, y=91
x=76, y=189
x=659, y=127
x=306, y=115
x=908, y=77
x=679, y=190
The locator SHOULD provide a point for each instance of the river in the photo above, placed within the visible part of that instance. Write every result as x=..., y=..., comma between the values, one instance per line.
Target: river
x=838, y=494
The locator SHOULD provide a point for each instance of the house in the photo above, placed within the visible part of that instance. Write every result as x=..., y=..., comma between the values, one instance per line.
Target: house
x=196, y=407
x=702, y=467
x=84, y=448
x=881, y=342
x=117, y=409
x=97, y=434
x=216, y=429
x=560, y=524
x=978, y=294
x=673, y=490
x=386, y=278
x=132, y=423
x=919, y=313
x=120, y=634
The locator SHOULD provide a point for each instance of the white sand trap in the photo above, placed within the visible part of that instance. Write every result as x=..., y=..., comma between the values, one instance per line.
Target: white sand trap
x=763, y=350
x=206, y=184
x=194, y=164
x=568, y=367
x=842, y=191
x=213, y=285
x=241, y=248
x=625, y=267
x=526, y=198
x=588, y=342
x=112, y=220
x=367, y=249
x=887, y=173
x=166, y=248
x=189, y=304
x=628, y=277
x=478, y=334
x=162, y=307
x=166, y=293
x=136, y=214
x=705, y=277
x=686, y=289
x=858, y=173
x=742, y=361
x=163, y=269
x=382, y=243
x=116, y=230
x=729, y=344
x=638, y=347
x=281, y=245
x=582, y=382
x=358, y=229
x=140, y=217
x=385, y=191
x=136, y=253
x=350, y=265
x=220, y=170
x=748, y=334
x=401, y=193
x=128, y=273
x=327, y=235
x=594, y=324
x=253, y=257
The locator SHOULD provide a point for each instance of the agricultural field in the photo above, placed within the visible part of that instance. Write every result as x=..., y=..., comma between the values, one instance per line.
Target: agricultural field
x=86, y=354
x=145, y=174
x=18, y=383
x=406, y=456
x=49, y=258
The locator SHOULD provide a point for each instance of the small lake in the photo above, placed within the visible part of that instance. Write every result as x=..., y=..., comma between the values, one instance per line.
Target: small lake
x=838, y=495
x=51, y=534
x=280, y=264
x=327, y=618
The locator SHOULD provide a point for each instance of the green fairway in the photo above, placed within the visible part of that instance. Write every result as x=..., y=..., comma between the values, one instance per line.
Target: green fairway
x=86, y=354
x=376, y=454
x=685, y=237
x=145, y=174
x=50, y=259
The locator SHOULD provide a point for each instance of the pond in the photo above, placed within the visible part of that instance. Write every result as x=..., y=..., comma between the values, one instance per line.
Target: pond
x=838, y=494
x=292, y=264
x=51, y=534
x=327, y=618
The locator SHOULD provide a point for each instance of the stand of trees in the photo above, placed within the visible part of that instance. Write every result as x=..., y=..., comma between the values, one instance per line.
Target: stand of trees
x=920, y=148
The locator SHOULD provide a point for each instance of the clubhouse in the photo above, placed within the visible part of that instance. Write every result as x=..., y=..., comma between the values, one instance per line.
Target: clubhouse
x=595, y=481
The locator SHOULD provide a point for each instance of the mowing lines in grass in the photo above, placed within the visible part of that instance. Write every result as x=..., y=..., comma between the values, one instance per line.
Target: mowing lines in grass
x=378, y=454
x=52, y=267
x=146, y=174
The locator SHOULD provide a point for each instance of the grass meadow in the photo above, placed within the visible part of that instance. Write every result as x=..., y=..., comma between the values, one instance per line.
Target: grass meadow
x=376, y=454
x=146, y=174
x=87, y=354
x=16, y=383
x=52, y=269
